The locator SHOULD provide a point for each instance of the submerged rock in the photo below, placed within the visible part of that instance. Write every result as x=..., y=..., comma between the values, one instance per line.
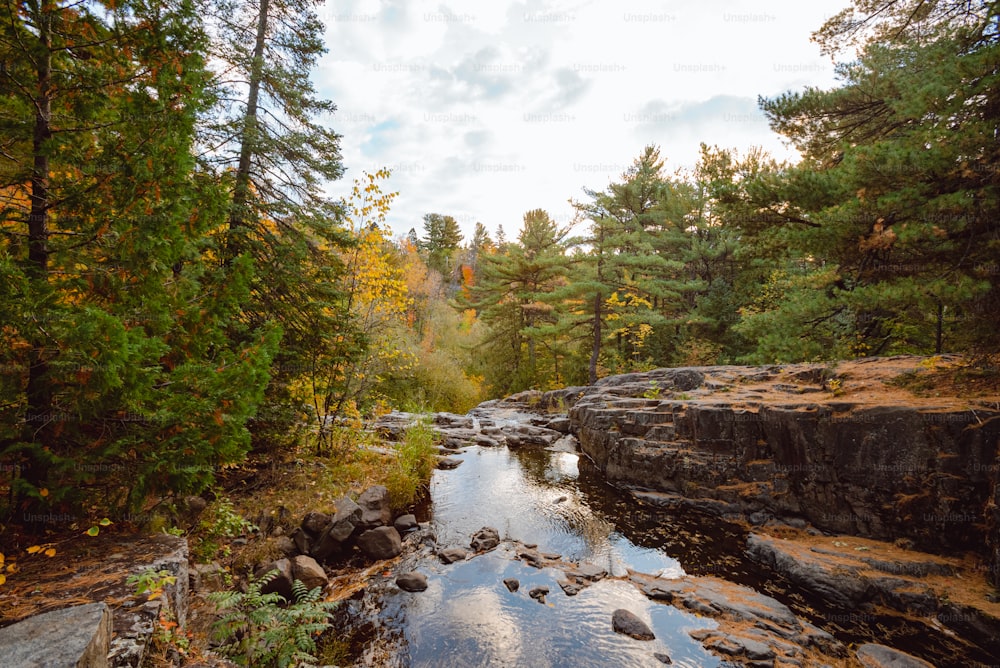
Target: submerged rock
x=512, y=584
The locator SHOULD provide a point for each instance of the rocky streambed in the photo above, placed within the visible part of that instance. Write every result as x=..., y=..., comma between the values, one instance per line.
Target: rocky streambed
x=709, y=581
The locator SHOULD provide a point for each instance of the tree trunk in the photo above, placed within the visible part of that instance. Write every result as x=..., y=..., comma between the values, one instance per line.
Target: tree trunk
x=38, y=417
x=238, y=218
x=595, y=352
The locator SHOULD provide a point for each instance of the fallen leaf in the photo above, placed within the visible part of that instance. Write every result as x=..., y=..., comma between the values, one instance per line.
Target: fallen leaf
x=93, y=531
x=105, y=522
x=3, y=579
x=43, y=491
x=34, y=548
x=51, y=552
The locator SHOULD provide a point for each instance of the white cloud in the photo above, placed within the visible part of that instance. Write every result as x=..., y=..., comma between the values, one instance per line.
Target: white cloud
x=487, y=110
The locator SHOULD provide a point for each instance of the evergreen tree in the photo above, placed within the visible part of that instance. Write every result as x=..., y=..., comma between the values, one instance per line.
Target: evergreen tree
x=276, y=154
x=894, y=210
x=127, y=384
x=441, y=240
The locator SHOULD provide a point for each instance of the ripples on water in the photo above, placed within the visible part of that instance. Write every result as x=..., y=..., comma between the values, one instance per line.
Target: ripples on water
x=467, y=617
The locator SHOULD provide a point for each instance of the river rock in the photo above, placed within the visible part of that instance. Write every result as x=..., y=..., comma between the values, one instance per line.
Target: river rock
x=512, y=584
x=626, y=622
x=452, y=554
x=412, y=581
x=538, y=593
x=448, y=463
x=663, y=658
x=405, y=523
x=77, y=637
x=375, y=509
x=310, y=573
x=381, y=543
x=485, y=539
x=880, y=656
x=570, y=587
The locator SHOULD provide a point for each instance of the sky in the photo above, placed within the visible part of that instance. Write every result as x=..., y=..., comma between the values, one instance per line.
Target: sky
x=485, y=110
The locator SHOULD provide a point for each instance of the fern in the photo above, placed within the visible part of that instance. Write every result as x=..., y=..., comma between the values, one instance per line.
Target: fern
x=256, y=629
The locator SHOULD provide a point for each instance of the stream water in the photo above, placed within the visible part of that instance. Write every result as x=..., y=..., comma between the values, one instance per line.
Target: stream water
x=558, y=501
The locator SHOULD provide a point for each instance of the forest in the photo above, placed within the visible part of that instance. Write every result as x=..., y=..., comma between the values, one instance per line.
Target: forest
x=177, y=290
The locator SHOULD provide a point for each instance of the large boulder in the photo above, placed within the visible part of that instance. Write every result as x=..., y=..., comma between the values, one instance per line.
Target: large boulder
x=375, y=508
x=77, y=637
x=381, y=543
x=340, y=528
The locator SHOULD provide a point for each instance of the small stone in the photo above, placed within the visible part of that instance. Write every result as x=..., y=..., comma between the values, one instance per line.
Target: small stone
x=485, y=539
x=512, y=584
x=627, y=623
x=538, y=593
x=286, y=546
x=448, y=463
x=452, y=554
x=412, y=581
x=663, y=658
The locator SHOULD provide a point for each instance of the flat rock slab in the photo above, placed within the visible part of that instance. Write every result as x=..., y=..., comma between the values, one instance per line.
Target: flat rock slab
x=77, y=637
x=879, y=656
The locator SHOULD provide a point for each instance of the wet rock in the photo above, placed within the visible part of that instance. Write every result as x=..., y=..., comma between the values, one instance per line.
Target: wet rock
x=310, y=573
x=570, y=587
x=405, y=523
x=452, y=554
x=314, y=523
x=627, y=623
x=279, y=583
x=530, y=557
x=380, y=543
x=663, y=658
x=485, y=539
x=448, y=463
x=538, y=593
x=375, y=509
x=879, y=656
x=77, y=637
x=512, y=584
x=590, y=572
x=412, y=581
